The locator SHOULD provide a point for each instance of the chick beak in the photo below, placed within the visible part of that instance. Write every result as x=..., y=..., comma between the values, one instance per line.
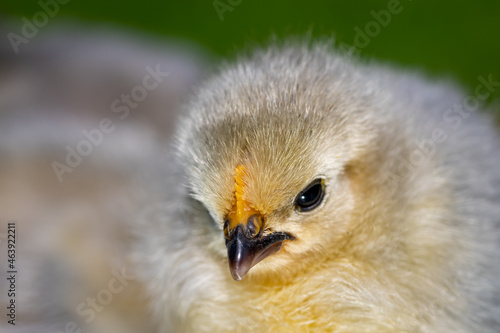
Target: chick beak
x=246, y=246
x=243, y=230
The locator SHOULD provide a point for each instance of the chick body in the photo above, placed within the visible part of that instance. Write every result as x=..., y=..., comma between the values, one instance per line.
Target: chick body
x=405, y=240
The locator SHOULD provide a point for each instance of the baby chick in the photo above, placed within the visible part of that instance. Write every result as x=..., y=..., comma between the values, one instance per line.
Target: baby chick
x=342, y=196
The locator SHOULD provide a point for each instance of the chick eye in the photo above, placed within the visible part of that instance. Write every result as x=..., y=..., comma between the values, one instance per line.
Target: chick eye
x=311, y=196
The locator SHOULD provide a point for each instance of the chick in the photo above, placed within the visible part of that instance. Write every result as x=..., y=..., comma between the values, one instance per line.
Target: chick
x=342, y=196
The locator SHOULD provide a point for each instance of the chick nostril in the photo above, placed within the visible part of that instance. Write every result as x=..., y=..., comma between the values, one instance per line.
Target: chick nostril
x=227, y=232
x=253, y=226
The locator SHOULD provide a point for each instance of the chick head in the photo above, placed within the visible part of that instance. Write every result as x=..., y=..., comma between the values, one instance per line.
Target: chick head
x=268, y=148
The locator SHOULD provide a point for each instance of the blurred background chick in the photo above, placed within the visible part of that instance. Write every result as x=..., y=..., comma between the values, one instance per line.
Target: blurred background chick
x=70, y=227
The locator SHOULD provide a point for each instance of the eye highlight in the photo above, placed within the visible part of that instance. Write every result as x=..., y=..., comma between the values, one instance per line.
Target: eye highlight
x=311, y=196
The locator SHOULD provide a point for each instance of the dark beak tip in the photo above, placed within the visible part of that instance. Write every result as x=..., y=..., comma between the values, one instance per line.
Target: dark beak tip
x=236, y=276
x=240, y=258
x=244, y=253
x=239, y=269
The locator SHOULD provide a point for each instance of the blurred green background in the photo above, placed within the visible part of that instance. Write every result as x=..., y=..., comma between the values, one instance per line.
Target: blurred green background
x=447, y=38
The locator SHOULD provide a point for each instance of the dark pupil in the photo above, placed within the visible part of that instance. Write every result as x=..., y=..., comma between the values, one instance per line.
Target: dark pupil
x=310, y=197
